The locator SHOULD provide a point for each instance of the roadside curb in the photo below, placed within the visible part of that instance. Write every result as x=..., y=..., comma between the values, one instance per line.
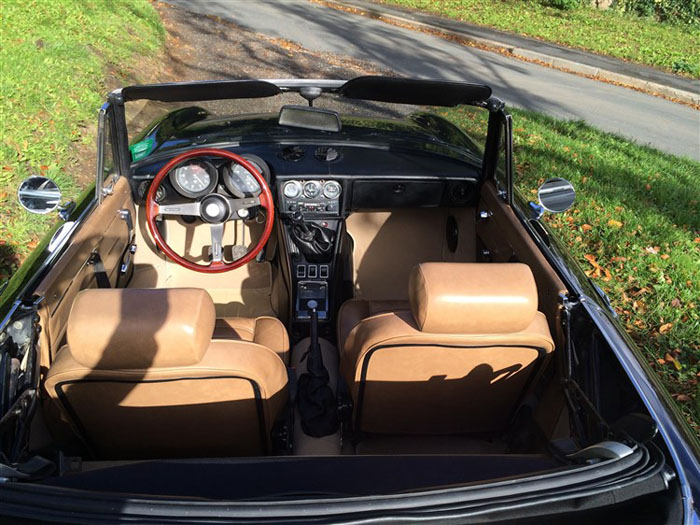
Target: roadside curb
x=570, y=66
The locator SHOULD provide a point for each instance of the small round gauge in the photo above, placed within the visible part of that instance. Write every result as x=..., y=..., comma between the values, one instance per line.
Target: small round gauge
x=312, y=189
x=194, y=179
x=291, y=189
x=143, y=191
x=331, y=190
x=240, y=182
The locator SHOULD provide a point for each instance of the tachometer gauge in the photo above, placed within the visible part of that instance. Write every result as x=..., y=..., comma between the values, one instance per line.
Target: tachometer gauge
x=194, y=179
x=240, y=181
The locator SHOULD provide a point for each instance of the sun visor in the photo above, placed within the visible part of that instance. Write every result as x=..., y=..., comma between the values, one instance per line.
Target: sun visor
x=413, y=91
x=199, y=91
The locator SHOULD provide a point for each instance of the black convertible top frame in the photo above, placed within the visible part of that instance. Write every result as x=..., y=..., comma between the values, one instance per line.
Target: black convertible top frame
x=394, y=90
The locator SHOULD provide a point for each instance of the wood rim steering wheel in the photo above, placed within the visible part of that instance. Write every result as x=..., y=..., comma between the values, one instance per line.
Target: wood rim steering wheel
x=214, y=209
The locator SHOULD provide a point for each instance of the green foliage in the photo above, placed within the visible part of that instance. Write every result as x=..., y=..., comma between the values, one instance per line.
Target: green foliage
x=609, y=32
x=686, y=66
x=562, y=4
x=634, y=228
x=55, y=55
x=674, y=11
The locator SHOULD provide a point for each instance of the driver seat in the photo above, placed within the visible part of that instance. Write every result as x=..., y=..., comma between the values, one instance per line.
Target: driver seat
x=141, y=377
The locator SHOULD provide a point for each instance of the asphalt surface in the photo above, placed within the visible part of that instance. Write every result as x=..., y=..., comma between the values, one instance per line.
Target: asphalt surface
x=646, y=119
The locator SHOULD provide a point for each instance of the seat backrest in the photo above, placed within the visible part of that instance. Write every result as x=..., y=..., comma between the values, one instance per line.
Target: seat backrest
x=458, y=362
x=141, y=377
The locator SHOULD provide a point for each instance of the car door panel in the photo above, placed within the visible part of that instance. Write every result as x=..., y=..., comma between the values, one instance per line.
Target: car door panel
x=105, y=233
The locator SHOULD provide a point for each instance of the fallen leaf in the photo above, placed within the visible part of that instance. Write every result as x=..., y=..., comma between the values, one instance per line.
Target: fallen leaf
x=665, y=328
x=652, y=249
x=663, y=362
x=665, y=256
x=614, y=223
x=586, y=227
x=676, y=303
x=682, y=398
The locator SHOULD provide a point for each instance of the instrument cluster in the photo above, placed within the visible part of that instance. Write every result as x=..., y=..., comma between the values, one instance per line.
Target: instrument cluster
x=310, y=196
x=199, y=177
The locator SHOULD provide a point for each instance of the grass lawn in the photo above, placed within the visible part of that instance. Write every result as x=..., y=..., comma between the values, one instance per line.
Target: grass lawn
x=55, y=56
x=643, y=40
x=635, y=229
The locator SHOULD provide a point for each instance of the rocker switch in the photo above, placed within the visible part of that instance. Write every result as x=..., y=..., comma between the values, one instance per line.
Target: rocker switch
x=313, y=271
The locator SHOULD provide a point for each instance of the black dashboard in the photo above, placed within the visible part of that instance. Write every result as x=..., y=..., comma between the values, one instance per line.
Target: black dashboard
x=320, y=180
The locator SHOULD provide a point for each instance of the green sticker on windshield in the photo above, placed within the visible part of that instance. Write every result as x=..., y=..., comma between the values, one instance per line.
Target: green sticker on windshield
x=142, y=149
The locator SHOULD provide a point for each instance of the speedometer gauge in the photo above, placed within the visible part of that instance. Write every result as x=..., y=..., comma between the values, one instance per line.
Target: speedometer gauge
x=194, y=179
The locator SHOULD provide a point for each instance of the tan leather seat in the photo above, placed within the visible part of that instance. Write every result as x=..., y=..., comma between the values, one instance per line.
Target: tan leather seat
x=141, y=377
x=265, y=331
x=457, y=362
x=353, y=311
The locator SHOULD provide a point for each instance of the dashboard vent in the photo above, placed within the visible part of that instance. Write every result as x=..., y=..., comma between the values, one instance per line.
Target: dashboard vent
x=326, y=154
x=292, y=153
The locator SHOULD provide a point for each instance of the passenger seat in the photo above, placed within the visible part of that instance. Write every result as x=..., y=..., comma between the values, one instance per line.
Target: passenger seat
x=456, y=360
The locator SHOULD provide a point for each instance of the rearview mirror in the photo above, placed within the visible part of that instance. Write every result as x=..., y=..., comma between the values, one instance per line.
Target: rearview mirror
x=39, y=195
x=310, y=118
x=556, y=195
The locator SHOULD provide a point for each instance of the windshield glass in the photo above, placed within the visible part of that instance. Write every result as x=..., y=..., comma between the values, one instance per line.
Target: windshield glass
x=157, y=127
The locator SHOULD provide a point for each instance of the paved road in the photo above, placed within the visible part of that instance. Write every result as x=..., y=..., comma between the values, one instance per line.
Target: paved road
x=646, y=119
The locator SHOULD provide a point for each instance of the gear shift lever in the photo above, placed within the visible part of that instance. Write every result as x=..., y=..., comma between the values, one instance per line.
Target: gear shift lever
x=315, y=242
x=313, y=305
x=318, y=407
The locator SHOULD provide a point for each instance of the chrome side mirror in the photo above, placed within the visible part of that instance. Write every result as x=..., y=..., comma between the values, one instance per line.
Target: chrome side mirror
x=556, y=195
x=39, y=195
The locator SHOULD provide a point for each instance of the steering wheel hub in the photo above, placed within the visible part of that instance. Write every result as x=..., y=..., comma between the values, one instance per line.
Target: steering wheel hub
x=215, y=209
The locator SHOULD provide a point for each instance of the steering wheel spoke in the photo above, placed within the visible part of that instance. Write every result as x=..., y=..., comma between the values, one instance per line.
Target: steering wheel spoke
x=240, y=207
x=190, y=209
x=217, y=242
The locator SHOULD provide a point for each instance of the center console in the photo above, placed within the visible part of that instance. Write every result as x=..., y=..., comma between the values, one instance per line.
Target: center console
x=311, y=214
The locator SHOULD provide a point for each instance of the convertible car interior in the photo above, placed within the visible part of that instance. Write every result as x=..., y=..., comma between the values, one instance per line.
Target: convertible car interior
x=303, y=299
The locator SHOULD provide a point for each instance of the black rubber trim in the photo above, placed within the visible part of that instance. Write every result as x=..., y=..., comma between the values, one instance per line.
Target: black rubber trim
x=466, y=504
x=84, y=435
x=541, y=353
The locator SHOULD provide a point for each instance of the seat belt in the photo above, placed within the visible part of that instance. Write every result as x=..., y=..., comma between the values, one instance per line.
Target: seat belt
x=99, y=271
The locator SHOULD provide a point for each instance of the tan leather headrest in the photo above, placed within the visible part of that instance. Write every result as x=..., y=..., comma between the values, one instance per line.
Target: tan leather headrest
x=472, y=298
x=139, y=329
